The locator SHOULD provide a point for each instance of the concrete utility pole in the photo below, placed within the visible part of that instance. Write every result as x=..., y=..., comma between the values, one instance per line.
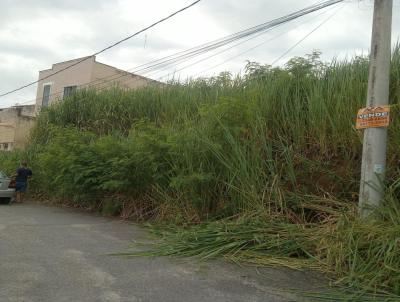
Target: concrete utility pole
x=375, y=139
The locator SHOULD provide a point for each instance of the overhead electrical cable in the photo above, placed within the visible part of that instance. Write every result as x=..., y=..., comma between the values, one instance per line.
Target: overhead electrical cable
x=210, y=46
x=260, y=44
x=104, y=49
x=237, y=36
x=306, y=36
x=264, y=27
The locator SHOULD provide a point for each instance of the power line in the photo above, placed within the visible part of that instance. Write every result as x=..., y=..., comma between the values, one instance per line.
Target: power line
x=104, y=49
x=273, y=38
x=215, y=44
x=285, y=53
x=260, y=44
x=262, y=28
x=307, y=35
x=199, y=61
x=247, y=32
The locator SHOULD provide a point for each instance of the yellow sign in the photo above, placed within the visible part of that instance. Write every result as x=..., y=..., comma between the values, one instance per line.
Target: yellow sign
x=373, y=117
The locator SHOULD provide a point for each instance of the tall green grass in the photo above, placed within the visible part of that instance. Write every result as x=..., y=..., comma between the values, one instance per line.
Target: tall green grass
x=278, y=142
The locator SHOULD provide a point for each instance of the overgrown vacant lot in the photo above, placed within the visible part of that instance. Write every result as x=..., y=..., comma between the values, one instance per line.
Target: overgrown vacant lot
x=262, y=168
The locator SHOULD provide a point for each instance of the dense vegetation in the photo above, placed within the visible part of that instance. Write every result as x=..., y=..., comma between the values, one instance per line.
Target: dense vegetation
x=269, y=162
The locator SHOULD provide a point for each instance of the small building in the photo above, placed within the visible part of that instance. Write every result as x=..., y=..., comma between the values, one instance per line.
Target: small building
x=58, y=82
x=15, y=125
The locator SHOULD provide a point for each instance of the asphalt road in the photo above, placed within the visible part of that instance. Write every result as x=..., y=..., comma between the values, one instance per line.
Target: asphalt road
x=49, y=254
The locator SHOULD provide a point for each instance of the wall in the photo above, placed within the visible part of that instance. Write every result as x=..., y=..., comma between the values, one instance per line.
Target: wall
x=8, y=115
x=7, y=134
x=15, y=125
x=27, y=110
x=77, y=75
x=87, y=73
x=22, y=132
x=106, y=76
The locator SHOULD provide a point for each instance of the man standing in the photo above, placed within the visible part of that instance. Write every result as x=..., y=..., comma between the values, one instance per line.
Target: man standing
x=21, y=179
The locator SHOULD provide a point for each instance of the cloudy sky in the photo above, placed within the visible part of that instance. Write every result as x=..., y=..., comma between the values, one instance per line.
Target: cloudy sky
x=34, y=34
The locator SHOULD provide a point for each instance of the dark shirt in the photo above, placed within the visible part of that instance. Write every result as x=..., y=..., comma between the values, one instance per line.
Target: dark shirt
x=23, y=174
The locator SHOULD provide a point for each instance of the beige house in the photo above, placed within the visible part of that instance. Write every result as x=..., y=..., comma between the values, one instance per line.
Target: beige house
x=56, y=83
x=15, y=125
x=87, y=74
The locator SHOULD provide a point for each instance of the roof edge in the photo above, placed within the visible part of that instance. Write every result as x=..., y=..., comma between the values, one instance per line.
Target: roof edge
x=69, y=61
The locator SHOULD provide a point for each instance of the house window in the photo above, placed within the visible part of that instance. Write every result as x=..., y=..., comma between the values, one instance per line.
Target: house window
x=69, y=90
x=46, y=95
x=6, y=146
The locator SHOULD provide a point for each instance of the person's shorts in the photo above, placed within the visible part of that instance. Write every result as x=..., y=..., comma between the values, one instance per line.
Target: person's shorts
x=21, y=186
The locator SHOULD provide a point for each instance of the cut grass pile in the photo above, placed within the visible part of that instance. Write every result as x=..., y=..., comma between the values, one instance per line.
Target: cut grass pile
x=360, y=256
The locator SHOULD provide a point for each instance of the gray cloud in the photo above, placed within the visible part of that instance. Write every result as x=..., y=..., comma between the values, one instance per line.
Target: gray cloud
x=37, y=33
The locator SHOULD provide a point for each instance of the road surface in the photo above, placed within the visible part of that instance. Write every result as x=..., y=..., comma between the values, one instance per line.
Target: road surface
x=50, y=254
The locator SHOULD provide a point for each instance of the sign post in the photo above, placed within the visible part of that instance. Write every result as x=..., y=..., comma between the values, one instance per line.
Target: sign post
x=375, y=136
